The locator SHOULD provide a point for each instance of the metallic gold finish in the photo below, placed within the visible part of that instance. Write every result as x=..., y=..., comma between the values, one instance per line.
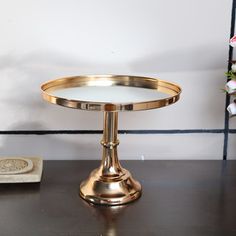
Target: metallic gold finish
x=110, y=184
x=111, y=80
x=109, y=216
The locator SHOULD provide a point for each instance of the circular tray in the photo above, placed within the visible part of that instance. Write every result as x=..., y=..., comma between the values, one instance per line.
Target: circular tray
x=111, y=92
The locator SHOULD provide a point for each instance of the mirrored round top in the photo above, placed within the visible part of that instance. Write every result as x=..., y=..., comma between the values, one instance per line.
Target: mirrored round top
x=111, y=92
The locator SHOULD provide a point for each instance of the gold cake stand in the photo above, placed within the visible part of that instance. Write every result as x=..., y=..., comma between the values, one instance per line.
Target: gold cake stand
x=109, y=184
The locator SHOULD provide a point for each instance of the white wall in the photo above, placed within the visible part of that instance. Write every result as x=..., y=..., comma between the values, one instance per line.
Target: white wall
x=184, y=41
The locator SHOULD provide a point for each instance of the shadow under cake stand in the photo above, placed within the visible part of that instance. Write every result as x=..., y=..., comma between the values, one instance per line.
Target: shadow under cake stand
x=110, y=184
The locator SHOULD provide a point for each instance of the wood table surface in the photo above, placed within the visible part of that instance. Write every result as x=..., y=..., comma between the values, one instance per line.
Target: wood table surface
x=179, y=198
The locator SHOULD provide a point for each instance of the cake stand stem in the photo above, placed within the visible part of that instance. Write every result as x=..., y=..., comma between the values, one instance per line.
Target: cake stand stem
x=110, y=165
x=110, y=184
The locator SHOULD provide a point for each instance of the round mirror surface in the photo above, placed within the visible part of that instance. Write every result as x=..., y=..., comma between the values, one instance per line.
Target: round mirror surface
x=109, y=94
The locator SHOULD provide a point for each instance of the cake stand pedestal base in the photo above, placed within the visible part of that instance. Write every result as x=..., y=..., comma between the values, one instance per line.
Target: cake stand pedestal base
x=110, y=191
x=110, y=184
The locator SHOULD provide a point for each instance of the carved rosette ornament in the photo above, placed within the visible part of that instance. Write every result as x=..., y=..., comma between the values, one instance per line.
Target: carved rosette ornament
x=12, y=166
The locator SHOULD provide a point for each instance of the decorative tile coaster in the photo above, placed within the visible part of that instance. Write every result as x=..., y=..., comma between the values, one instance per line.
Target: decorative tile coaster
x=20, y=170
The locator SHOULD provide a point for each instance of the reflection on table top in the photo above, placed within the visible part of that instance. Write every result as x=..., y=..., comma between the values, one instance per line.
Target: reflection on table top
x=179, y=198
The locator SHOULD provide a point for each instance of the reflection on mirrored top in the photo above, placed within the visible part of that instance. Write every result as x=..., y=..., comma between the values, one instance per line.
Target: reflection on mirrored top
x=109, y=94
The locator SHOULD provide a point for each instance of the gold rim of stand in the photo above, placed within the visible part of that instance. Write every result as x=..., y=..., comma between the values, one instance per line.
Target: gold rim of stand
x=111, y=80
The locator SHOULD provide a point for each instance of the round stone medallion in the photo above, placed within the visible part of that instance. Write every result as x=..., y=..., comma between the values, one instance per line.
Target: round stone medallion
x=15, y=165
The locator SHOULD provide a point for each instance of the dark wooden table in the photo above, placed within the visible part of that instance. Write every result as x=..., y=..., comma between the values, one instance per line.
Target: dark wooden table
x=179, y=198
